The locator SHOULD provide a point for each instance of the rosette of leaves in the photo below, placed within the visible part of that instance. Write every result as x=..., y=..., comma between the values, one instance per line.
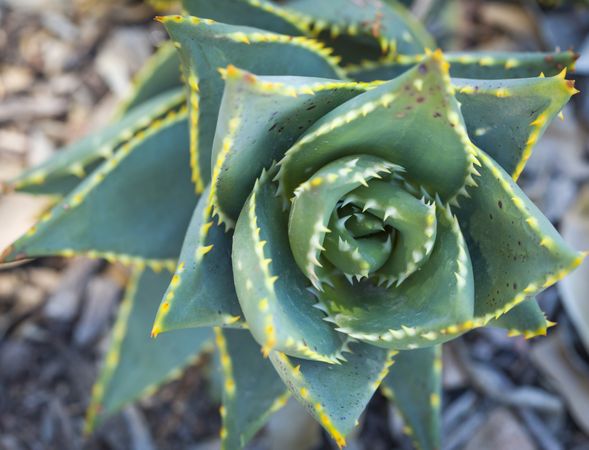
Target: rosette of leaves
x=334, y=233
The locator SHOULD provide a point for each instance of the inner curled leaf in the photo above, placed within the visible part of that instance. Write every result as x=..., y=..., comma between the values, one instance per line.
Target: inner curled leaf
x=356, y=213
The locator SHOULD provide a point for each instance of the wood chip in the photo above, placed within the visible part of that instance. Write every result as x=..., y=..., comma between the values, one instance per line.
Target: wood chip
x=502, y=431
x=550, y=356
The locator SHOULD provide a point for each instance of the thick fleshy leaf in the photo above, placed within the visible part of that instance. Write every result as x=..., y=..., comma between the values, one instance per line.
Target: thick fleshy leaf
x=413, y=121
x=471, y=65
x=526, y=319
x=134, y=208
x=357, y=31
x=505, y=118
x=243, y=12
x=206, y=46
x=251, y=389
x=272, y=290
x=414, y=383
x=442, y=292
x=160, y=73
x=515, y=250
x=260, y=118
x=136, y=365
x=201, y=293
x=499, y=65
x=64, y=171
x=335, y=395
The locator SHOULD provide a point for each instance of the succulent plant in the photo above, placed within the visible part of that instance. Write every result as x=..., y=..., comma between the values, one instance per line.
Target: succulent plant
x=333, y=232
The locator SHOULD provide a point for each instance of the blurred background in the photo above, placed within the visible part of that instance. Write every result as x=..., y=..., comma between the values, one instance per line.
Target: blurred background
x=64, y=66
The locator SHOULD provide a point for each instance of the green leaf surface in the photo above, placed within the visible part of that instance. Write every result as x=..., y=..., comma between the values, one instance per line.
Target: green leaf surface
x=525, y=319
x=414, y=383
x=70, y=165
x=442, y=292
x=260, y=118
x=135, y=365
x=201, y=292
x=477, y=65
x=272, y=290
x=252, y=391
x=515, y=250
x=134, y=208
x=159, y=74
x=336, y=395
x=412, y=121
x=206, y=46
x=505, y=118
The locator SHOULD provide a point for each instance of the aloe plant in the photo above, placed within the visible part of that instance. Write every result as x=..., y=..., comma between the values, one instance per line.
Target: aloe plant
x=333, y=232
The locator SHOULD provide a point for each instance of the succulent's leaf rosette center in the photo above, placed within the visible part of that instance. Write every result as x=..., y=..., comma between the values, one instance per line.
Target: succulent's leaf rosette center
x=356, y=214
x=320, y=201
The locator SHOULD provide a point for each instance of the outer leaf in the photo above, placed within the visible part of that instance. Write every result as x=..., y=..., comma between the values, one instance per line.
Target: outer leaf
x=356, y=30
x=259, y=119
x=64, y=171
x=272, y=290
x=160, y=73
x=252, y=391
x=134, y=208
x=202, y=292
x=206, y=46
x=471, y=65
x=415, y=384
x=136, y=365
x=382, y=122
x=442, y=292
x=526, y=319
x=335, y=395
x=243, y=12
x=506, y=118
x=499, y=65
x=514, y=249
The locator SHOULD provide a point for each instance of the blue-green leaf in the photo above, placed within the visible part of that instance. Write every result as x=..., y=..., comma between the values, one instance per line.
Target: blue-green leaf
x=414, y=383
x=134, y=208
x=252, y=390
x=70, y=165
x=335, y=394
x=135, y=364
x=525, y=319
x=272, y=290
x=206, y=46
x=515, y=250
x=505, y=118
x=201, y=292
